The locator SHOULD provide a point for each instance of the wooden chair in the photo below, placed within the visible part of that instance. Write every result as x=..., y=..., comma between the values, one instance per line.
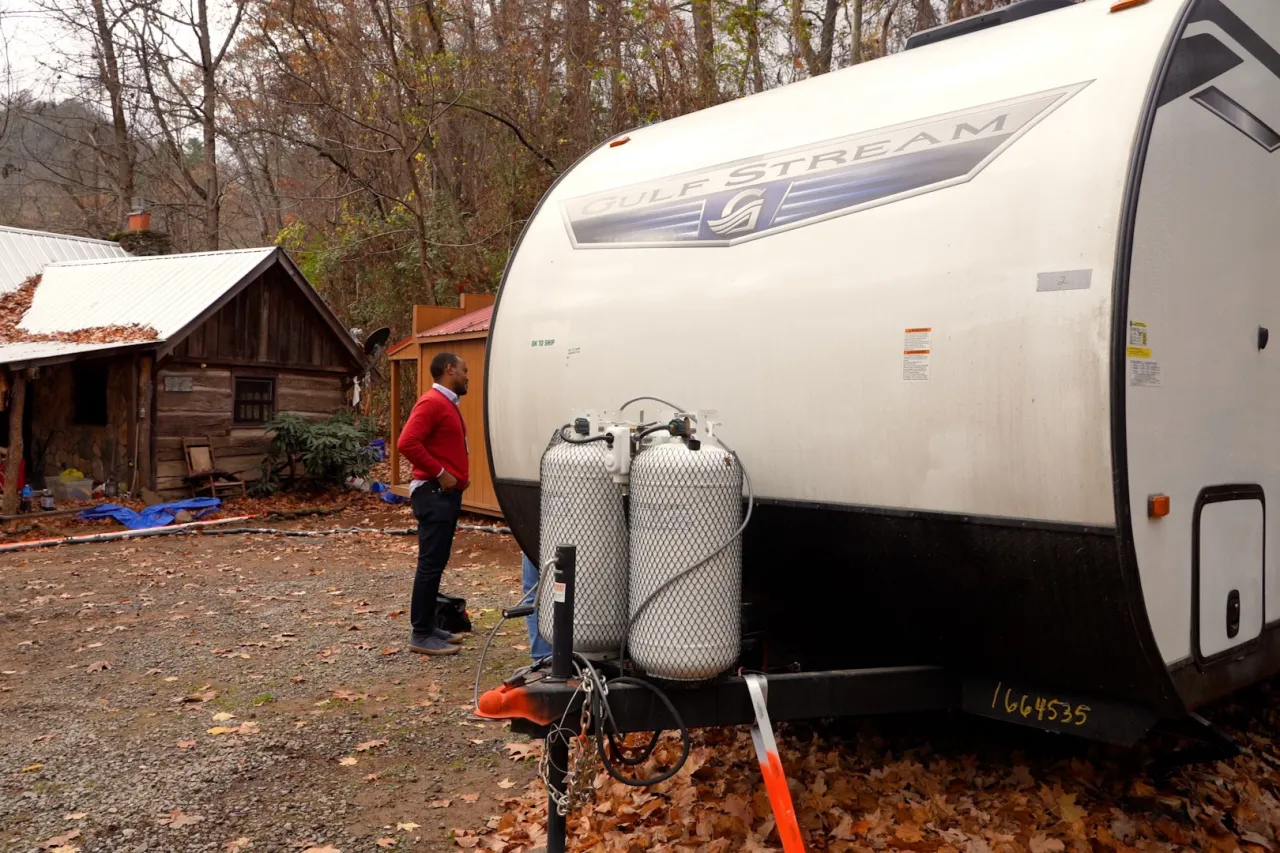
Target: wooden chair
x=203, y=474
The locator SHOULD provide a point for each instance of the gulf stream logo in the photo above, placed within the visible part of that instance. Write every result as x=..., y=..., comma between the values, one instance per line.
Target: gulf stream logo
x=742, y=200
x=742, y=213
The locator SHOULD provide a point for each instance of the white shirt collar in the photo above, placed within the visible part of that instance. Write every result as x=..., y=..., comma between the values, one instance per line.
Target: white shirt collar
x=453, y=398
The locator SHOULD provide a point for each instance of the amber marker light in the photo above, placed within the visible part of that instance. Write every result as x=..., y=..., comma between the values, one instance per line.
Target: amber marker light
x=1157, y=506
x=623, y=141
x=1121, y=5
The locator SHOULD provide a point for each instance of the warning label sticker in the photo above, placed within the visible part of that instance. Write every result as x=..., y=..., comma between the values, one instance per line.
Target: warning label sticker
x=1138, y=334
x=1144, y=373
x=557, y=592
x=917, y=345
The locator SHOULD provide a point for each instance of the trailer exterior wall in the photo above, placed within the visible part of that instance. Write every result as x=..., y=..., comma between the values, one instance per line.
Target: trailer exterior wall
x=967, y=518
x=1201, y=398
x=1012, y=421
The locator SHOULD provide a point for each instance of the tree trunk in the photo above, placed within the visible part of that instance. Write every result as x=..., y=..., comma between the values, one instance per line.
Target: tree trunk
x=704, y=37
x=886, y=27
x=855, y=30
x=613, y=25
x=926, y=16
x=755, y=65
x=17, y=400
x=122, y=155
x=578, y=64
x=827, y=38
x=208, y=121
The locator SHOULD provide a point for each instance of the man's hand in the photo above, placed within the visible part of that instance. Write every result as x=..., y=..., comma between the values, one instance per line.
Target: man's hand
x=447, y=482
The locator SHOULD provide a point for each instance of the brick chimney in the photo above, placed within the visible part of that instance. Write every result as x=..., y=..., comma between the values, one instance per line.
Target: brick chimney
x=139, y=218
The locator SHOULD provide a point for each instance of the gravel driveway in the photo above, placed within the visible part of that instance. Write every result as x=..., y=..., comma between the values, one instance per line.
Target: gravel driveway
x=202, y=693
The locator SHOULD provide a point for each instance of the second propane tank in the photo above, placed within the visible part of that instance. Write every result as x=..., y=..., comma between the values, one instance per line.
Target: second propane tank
x=582, y=506
x=686, y=501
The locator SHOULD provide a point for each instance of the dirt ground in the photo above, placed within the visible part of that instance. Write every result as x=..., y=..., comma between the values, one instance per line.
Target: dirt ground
x=202, y=692
x=253, y=693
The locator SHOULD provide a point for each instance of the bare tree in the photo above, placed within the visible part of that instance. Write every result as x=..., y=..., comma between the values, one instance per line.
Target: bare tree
x=181, y=86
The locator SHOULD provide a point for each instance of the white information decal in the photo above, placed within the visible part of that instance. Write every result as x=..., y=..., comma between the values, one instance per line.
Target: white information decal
x=558, y=592
x=917, y=345
x=1144, y=371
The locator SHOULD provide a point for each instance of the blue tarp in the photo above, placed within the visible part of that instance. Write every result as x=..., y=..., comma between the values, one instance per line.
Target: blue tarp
x=153, y=516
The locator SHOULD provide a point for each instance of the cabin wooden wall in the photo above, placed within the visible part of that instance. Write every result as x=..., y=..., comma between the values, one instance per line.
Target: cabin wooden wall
x=269, y=330
x=206, y=410
x=97, y=451
x=268, y=324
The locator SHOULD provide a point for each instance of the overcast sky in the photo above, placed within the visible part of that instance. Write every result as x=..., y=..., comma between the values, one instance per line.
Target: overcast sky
x=28, y=33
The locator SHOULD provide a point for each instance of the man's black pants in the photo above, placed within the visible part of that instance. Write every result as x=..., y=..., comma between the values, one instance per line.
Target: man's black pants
x=437, y=513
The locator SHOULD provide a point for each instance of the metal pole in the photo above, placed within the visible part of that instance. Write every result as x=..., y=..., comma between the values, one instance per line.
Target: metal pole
x=557, y=744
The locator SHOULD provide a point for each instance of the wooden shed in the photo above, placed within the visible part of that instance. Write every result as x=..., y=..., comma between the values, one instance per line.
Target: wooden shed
x=116, y=361
x=463, y=331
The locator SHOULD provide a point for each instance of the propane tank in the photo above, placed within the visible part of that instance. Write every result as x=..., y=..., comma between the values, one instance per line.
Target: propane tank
x=582, y=506
x=686, y=501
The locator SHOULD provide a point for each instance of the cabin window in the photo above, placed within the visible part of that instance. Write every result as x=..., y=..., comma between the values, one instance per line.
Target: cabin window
x=89, y=394
x=255, y=400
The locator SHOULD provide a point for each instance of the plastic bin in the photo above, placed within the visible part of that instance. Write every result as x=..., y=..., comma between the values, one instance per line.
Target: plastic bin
x=72, y=490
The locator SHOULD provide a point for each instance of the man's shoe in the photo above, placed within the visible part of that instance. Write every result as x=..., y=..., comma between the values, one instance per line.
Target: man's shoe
x=442, y=634
x=431, y=645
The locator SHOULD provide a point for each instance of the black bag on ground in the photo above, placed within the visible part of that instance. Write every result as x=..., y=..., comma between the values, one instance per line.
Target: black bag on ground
x=451, y=614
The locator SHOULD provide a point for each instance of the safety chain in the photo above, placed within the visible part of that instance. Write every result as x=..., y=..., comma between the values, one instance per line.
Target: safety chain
x=578, y=780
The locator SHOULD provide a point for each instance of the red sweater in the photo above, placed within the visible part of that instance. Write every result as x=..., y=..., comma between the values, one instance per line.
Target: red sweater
x=436, y=437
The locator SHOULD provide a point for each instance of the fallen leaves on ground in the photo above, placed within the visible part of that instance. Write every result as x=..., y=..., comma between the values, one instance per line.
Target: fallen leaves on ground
x=349, y=761
x=177, y=819
x=439, y=804
x=186, y=744
x=60, y=840
x=98, y=666
x=32, y=768
x=520, y=751
x=406, y=827
x=328, y=848
x=880, y=792
x=370, y=744
x=386, y=842
x=238, y=844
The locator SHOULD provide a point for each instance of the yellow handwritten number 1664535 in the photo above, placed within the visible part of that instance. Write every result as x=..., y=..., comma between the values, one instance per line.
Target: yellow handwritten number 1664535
x=1045, y=709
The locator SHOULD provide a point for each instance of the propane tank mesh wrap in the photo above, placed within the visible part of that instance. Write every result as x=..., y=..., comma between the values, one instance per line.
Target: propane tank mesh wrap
x=582, y=506
x=685, y=504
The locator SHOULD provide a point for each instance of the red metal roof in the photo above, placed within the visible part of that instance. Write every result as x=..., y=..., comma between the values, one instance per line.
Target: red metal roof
x=476, y=321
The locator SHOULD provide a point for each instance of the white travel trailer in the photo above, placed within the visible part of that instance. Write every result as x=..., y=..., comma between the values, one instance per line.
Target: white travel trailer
x=987, y=323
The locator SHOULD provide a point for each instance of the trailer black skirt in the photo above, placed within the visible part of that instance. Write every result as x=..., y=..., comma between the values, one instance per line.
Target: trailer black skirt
x=534, y=706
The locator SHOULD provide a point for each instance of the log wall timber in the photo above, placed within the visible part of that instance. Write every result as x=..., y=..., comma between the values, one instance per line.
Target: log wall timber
x=208, y=410
x=59, y=443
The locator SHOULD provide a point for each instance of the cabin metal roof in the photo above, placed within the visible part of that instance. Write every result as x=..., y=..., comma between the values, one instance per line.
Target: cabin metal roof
x=165, y=292
x=171, y=294
x=24, y=253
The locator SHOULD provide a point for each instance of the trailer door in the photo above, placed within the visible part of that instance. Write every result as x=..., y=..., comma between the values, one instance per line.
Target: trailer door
x=1228, y=569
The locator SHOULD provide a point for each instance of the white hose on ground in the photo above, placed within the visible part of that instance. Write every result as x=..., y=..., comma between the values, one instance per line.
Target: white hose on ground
x=204, y=526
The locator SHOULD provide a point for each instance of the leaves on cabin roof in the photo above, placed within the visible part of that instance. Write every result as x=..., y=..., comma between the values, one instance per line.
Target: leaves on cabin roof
x=14, y=306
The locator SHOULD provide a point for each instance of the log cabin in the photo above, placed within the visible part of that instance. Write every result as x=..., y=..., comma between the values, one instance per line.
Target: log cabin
x=116, y=360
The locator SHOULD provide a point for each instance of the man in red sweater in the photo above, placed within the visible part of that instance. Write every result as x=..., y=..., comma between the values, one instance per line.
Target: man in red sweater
x=435, y=443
